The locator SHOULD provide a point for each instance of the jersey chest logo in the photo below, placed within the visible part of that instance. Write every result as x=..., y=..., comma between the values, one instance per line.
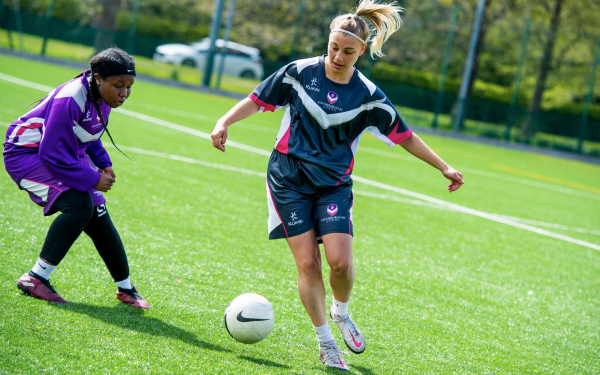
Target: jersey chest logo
x=332, y=97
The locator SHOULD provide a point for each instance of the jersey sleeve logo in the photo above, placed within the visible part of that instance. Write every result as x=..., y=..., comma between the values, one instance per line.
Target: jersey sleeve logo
x=332, y=97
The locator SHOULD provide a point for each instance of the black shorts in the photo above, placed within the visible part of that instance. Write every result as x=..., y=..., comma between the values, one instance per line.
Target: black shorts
x=296, y=205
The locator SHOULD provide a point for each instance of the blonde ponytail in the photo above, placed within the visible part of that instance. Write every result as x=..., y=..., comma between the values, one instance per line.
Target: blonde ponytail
x=385, y=19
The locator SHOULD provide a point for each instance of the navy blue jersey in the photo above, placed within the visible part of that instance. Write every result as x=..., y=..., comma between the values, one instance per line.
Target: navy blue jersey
x=325, y=120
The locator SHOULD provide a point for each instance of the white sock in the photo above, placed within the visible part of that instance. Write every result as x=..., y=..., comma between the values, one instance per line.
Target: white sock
x=324, y=333
x=124, y=284
x=43, y=269
x=340, y=308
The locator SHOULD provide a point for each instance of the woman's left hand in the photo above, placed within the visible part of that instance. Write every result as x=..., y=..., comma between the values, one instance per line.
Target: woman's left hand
x=455, y=177
x=108, y=170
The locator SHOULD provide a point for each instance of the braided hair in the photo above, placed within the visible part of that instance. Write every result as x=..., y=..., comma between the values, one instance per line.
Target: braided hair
x=111, y=61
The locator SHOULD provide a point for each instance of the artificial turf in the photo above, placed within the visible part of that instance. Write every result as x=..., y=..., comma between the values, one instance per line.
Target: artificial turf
x=437, y=291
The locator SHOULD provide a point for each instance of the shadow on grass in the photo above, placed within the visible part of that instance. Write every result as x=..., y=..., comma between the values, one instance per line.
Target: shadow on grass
x=363, y=370
x=359, y=370
x=128, y=318
x=264, y=362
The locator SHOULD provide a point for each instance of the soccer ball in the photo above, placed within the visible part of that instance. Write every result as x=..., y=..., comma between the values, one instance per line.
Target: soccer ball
x=249, y=318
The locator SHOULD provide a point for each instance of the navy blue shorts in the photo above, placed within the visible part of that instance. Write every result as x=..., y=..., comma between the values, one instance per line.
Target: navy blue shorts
x=296, y=205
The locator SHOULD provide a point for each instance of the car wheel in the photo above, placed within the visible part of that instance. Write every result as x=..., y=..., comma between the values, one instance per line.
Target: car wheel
x=247, y=74
x=189, y=62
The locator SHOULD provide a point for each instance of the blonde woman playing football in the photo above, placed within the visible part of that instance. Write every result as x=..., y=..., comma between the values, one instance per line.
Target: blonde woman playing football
x=328, y=105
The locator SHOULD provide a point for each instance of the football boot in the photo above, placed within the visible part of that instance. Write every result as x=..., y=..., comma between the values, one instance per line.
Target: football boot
x=38, y=287
x=353, y=337
x=331, y=355
x=132, y=298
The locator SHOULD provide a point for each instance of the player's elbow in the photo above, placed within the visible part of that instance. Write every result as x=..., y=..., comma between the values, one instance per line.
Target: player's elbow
x=408, y=142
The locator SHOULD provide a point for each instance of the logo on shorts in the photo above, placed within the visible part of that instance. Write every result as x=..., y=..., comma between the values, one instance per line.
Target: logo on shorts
x=332, y=209
x=332, y=97
x=98, y=193
x=295, y=220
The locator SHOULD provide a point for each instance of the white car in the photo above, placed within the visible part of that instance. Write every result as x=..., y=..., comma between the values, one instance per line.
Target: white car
x=240, y=60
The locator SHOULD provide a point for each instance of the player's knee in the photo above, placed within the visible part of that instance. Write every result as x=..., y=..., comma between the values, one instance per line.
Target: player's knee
x=341, y=267
x=309, y=266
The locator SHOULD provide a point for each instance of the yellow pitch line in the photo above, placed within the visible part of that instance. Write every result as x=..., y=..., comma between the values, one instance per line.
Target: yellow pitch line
x=542, y=177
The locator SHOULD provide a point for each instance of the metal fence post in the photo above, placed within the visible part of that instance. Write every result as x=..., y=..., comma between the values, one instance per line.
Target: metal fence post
x=3, y=16
x=47, y=22
x=462, y=96
x=517, y=82
x=297, y=31
x=214, y=34
x=133, y=26
x=438, y=105
x=228, y=25
x=18, y=22
x=588, y=99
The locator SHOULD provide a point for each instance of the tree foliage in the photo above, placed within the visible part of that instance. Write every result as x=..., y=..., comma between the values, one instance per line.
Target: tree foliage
x=417, y=47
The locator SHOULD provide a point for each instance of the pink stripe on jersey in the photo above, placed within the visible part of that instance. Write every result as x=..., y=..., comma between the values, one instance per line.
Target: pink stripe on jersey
x=266, y=106
x=41, y=183
x=283, y=145
x=347, y=171
x=22, y=128
x=399, y=137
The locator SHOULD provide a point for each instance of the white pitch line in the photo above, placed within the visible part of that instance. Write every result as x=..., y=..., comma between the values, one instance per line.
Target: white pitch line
x=374, y=151
x=551, y=225
x=205, y=118
x=185, y=129
x=474, y=212
x=497, y=176
x=380, y=185
x=189, y=160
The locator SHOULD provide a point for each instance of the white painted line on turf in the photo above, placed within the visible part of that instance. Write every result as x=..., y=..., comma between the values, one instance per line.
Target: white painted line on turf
x=497, y=176
x=474, y=212
x=189, y=160
x=514, y=218
x=380, y=185
x=185, y=129
x=424, y=199
x=200, y=117
x=415, y=202
x=143, y=117
x=374, y=151
x=551, y=225
x=22, y=82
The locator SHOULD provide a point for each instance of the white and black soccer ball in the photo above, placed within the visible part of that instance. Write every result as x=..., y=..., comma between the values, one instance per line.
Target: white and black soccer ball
x=249, y=318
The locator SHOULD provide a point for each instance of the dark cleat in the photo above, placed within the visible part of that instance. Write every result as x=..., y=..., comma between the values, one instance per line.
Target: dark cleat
x=132, y=297
x=38, y=287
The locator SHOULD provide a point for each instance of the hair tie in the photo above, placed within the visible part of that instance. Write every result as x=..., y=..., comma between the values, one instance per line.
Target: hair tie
x=349, y=33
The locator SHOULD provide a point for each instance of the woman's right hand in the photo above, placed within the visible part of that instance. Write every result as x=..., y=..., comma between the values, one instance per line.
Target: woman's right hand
x=105, y=183
x=219, y=135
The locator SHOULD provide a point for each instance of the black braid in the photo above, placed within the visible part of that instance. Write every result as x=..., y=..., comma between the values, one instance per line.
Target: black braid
x=92, y=91
x=108, y=58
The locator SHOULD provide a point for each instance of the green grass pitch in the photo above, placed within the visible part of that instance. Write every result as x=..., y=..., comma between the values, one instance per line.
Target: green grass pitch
x=437, y=291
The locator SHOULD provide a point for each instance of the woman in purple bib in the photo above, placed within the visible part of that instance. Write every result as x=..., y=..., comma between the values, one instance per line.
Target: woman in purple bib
x=54, y=153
